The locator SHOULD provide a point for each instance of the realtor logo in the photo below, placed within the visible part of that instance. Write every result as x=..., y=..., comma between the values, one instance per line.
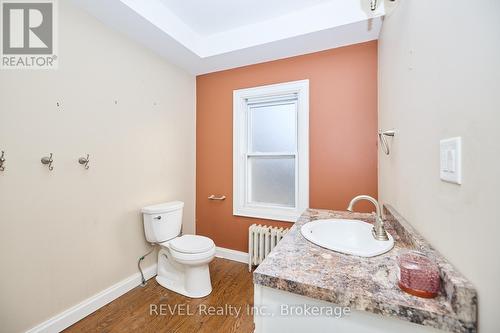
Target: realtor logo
x=28, y=34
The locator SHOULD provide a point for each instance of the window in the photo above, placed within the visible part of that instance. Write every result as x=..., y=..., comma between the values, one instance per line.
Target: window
x=271, y=151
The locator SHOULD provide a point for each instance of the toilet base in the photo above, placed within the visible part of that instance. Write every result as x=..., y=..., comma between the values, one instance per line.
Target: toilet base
x=164, y=282
x=189, y=280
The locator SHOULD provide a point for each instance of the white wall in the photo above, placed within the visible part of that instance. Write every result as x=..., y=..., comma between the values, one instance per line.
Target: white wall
x=439, y=77
x=68, y=234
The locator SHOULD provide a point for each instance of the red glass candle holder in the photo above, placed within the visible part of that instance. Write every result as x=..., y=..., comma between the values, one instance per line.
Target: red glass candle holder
x=418, y=275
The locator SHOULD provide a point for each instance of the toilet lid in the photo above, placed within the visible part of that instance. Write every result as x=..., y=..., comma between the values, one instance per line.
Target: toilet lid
x=192, y=244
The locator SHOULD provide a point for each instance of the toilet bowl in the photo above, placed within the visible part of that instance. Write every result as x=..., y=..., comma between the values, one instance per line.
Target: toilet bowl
x=182, y=260
x=184, y=268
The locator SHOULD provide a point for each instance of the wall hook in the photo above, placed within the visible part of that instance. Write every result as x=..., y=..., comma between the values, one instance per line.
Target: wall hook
x=2, y=161
x=383, y=140
x=84, y=161
x=47, y=160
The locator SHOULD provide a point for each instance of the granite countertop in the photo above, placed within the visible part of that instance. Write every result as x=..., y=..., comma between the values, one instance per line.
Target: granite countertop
x=368, y=284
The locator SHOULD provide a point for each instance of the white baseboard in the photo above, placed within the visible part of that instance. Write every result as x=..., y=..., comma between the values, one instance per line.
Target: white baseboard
x=229, y=254
x=70, y=316
x=83, y=309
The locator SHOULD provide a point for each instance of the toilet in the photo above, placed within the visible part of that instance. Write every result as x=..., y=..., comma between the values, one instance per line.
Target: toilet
x=182, y=260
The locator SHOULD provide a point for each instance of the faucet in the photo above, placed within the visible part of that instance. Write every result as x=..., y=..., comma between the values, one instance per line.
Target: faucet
x=378, y=230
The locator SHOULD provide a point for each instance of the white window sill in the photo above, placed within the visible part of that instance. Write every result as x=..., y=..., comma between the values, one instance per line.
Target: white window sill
x=285, y=215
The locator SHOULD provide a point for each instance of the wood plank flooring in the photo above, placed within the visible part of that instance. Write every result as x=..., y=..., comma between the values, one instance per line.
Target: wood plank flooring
x=232, y=289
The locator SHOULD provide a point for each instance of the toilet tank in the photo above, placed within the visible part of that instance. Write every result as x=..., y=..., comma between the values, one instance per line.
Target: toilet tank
x=162, y=221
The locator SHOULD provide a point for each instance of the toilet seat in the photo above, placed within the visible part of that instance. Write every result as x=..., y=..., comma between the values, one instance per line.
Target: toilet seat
x=191, y=259
x=192, y=244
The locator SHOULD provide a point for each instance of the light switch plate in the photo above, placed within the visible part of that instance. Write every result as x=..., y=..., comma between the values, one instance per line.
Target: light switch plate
x=451, y=160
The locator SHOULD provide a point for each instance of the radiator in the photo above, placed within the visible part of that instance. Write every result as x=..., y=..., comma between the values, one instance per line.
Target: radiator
x=261, y=240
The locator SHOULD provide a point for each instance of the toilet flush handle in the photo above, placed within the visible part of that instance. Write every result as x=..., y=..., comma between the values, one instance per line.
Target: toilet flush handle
x=157, y=217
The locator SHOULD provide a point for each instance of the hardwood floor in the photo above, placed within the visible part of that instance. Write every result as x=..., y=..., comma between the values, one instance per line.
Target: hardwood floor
x=232, y=290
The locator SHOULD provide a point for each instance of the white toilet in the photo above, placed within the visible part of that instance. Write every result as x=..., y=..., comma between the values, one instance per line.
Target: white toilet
x=182, y=260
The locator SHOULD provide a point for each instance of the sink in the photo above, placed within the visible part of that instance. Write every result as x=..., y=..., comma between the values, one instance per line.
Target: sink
x=346, y=236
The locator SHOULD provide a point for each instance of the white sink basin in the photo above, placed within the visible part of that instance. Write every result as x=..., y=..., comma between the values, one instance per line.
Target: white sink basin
x=346, y=236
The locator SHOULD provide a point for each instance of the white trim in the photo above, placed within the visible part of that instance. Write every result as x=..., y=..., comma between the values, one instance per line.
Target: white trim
x=76, y=313
x=233, y=255
x=83, y=309
x=240, y=139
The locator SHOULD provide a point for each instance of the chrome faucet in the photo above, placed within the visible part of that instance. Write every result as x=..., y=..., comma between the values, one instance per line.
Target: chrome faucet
x=378, y=230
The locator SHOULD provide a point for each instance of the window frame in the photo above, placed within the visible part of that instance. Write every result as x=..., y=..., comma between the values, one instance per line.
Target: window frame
x=241, y=154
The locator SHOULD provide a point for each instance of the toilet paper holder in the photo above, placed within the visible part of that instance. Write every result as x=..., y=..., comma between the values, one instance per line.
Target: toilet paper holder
x=214, y=197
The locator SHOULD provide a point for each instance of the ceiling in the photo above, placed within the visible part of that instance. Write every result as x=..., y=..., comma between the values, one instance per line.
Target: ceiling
x=209, y=17
x=204, y=36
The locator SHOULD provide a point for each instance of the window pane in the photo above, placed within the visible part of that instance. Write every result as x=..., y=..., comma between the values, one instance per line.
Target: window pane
x=273, y=128
x=272, y=180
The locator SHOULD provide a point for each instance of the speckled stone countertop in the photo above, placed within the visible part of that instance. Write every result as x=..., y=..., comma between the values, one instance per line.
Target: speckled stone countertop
x=368, y=284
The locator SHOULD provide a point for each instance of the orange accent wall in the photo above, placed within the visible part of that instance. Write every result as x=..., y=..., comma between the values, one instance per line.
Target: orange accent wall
x=343, y=134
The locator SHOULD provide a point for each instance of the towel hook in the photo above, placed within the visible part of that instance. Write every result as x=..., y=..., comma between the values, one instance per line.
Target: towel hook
x=84, y=161
x=2, y=161
x=47, y=160
x=383, y=140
